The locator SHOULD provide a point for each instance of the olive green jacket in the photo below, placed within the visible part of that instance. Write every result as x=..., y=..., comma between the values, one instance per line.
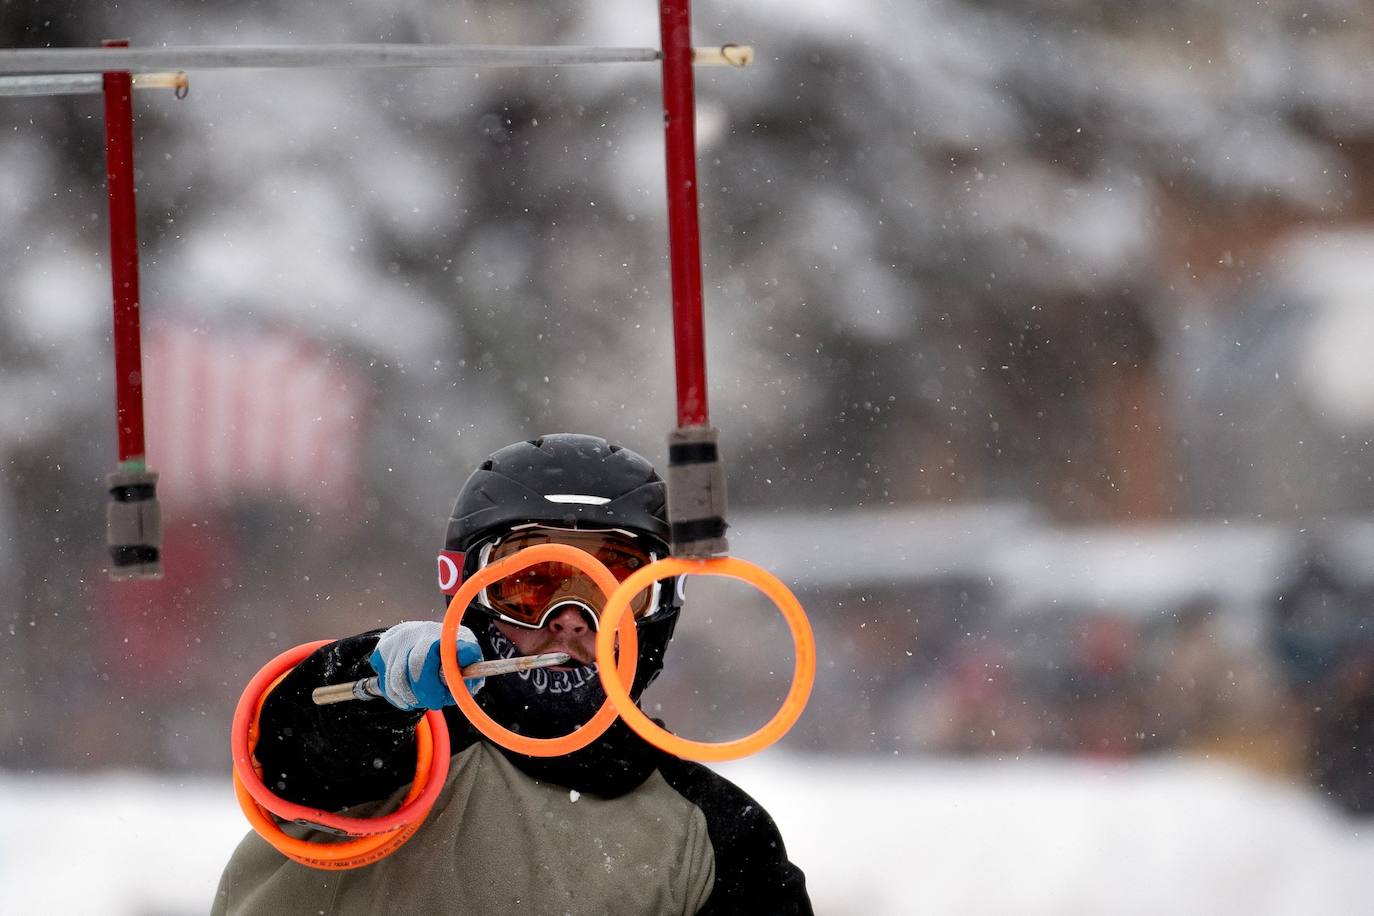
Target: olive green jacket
x=501, y=842
x=616, y=828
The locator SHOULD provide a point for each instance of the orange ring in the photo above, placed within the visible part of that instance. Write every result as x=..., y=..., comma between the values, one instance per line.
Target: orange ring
x=351, y=854
x=803, y=671
x=337, y=856
x=244, y=730
x=377, y=837
x=448, y=650
x=261, y=821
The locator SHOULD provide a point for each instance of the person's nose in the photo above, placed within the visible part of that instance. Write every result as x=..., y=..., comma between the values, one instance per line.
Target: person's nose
x=569, y=620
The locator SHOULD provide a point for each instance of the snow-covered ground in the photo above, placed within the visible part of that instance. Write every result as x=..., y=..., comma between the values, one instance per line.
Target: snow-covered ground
x=884, y=837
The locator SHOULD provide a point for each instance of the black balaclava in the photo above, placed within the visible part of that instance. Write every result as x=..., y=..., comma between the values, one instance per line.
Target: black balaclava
x=540, y=703
x=543, y=703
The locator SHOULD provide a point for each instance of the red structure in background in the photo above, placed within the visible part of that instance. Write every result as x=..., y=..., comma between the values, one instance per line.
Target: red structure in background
x=154, y=631
x=256, y=414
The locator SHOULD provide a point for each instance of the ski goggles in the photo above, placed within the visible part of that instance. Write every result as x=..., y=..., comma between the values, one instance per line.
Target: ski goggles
x=527, y=598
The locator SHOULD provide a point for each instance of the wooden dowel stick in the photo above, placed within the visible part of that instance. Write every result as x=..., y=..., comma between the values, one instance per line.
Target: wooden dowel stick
x=724, y=56
x=368, y=689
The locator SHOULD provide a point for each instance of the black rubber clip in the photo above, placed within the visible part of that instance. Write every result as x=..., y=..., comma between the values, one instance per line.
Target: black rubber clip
x=133, y=526
x=696, y=492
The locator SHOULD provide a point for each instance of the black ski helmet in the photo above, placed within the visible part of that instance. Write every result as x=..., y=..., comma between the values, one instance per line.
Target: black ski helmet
x=568, y=480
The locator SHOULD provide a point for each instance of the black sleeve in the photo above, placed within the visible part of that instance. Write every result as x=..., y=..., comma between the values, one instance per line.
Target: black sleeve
x=334, y=756
x=753, y=873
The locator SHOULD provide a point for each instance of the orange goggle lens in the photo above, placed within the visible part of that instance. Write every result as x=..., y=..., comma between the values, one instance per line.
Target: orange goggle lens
x=528, y=596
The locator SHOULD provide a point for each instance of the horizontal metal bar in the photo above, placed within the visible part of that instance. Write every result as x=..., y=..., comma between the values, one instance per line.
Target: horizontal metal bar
x=50, y=84
x=94, y=60
x=83, y=83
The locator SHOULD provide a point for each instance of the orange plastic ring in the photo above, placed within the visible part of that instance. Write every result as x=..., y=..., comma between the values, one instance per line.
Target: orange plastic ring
x=448, y=649
x=387, y=832
x=803, y=670
x=336, y=856
x=345, y=855
x=261, y=821
x=245, y=728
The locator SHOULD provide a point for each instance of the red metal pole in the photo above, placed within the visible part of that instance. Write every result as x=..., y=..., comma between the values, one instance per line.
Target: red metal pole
x=684, y=241
x=696, y=476
x=119, y=176
x=133, y=517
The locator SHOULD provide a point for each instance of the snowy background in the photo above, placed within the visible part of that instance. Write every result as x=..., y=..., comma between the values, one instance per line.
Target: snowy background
x=1038, y=339
x=891, y=838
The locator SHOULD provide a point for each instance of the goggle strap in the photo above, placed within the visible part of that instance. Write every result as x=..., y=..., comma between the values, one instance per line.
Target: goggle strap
x=450, y=571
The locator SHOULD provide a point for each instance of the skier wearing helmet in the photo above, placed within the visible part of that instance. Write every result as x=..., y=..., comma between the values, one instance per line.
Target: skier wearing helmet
x=617, y=827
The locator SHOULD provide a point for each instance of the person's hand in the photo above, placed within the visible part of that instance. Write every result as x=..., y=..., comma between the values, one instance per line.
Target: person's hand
x=409, y=672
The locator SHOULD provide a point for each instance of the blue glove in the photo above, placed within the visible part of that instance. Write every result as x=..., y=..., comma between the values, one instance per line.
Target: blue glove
x=409, y=672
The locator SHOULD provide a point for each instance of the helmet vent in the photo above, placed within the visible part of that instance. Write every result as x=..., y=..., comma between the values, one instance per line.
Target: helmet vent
x=488, y=465
x=577, y=499
x=537, y=443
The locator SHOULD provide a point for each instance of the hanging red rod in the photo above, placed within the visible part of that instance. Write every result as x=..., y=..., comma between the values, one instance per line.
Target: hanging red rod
x=684, y=240
x=119, y=176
